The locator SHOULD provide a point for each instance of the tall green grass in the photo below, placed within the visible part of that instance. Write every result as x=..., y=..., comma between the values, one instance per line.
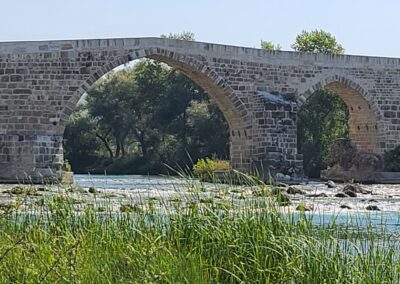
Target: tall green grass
x=189, y=241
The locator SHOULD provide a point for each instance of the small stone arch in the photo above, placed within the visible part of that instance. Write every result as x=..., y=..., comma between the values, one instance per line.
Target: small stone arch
x=232, y=107
x=365, y=127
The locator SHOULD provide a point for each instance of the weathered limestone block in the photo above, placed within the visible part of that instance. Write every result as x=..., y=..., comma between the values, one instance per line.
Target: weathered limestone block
x=30, y=158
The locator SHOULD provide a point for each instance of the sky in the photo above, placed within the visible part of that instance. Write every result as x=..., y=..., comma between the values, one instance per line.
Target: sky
x=363, y=27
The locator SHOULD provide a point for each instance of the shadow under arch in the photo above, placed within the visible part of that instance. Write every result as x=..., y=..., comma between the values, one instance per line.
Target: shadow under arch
x=365, y=129
x=231, y=106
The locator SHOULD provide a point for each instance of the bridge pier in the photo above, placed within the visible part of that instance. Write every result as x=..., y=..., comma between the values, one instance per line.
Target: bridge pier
x=30, y=158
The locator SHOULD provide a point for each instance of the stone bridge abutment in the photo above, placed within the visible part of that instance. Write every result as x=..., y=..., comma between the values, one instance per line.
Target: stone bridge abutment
x=259, y=92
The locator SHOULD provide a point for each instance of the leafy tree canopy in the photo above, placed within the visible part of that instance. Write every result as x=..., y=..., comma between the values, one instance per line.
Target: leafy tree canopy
x=317, y=41
x=185, y=35
x=270, y=46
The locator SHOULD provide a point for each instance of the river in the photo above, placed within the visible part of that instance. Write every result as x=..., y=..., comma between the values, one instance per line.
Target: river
x=129, y=182
x=325, y=209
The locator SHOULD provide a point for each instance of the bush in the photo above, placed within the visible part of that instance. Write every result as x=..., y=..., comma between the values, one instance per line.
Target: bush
x=67, y=166
x=207, y=167
x=392, y=160
x=222, y=165
x=204, y=167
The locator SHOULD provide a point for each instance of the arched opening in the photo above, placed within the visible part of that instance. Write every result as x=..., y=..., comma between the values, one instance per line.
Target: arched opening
x=339, y=109
x=204, y=81
x=363, y=126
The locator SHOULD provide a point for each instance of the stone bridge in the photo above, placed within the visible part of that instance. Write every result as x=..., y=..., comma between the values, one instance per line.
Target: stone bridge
x=258, y=91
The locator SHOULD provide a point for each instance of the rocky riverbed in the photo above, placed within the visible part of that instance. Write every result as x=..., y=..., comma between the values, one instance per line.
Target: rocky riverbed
x=346, y=197
x=123, y=193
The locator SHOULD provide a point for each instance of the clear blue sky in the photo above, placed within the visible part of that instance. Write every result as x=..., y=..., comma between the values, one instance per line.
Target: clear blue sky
x=367, y=27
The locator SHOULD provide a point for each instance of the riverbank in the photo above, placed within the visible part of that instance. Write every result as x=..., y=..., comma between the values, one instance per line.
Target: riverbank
x=209, y=233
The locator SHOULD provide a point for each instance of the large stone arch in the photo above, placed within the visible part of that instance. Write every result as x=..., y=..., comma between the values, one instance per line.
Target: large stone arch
x=219, y=90
x=365, y=126
x=232, y=107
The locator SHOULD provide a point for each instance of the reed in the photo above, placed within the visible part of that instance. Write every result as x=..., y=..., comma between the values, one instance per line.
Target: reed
x=192, y=240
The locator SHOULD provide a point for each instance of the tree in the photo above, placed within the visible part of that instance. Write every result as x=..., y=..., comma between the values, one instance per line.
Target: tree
x=149, y=115
x=81, y=145
x=185, y=35
x=109, y=103
x=317, y=41
x=324, y=116
x=321, y=120
x=270, y=46
x=150, y=78
x=204, y=121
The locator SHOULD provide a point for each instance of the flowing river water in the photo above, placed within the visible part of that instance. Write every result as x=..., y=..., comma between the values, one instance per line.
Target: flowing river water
x=325, y=208
x=385, y=196
x=114, y=191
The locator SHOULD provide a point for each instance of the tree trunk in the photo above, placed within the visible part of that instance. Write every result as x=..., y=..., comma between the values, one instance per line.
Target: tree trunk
x=122, y=149
x=118, y=149
x=119, y=140
x=123, y=152
x=140, y=137
x=105, y=142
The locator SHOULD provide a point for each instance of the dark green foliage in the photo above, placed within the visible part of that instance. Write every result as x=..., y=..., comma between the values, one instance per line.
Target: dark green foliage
x=139, y=119
x=322, y=119
x=204, y=118
x=109, y=104
x=81, y=145
x=392, y=160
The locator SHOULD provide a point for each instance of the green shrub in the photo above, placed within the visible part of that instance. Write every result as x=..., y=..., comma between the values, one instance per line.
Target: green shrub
x=67, y=166
x=392, y=160
x=207, y=167
x=204, y=167
x=222, y=165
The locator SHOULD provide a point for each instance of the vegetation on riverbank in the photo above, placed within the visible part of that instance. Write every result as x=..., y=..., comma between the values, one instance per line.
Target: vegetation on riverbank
x=205, y=169
x=199, y=240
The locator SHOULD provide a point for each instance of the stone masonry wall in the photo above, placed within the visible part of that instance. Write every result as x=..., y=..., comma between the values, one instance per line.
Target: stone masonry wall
x=259, y=93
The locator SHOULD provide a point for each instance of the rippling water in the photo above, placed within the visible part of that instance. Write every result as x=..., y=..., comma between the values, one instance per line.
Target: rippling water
x=129, y=182
x=327, y=209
